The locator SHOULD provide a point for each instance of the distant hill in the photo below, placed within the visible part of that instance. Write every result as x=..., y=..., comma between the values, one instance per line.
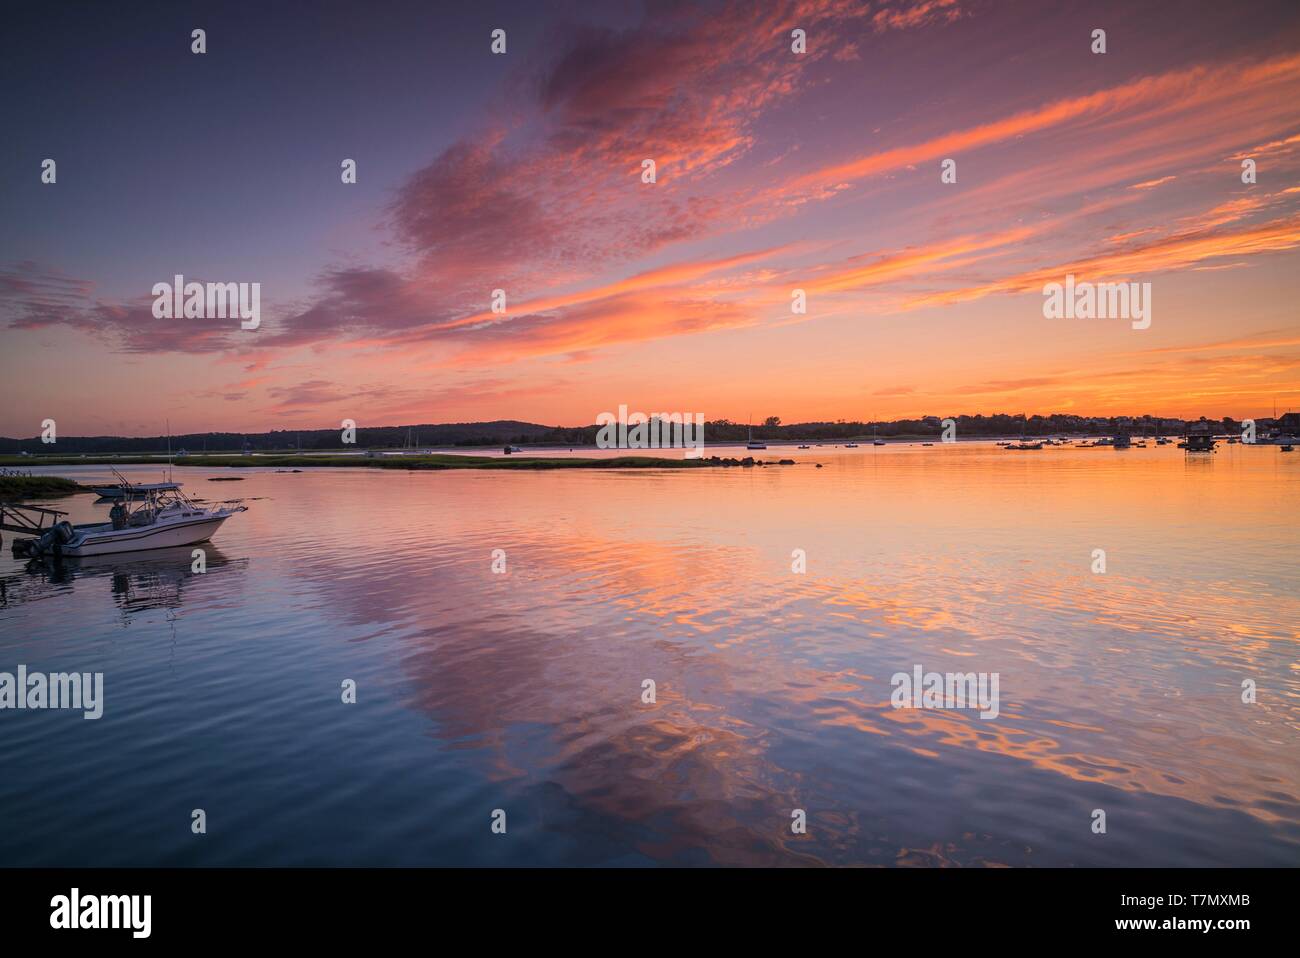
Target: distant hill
x=515, y=432
x=394, y=437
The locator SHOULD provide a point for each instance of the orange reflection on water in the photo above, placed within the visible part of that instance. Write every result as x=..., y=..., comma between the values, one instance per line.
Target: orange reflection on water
x=1120, y=690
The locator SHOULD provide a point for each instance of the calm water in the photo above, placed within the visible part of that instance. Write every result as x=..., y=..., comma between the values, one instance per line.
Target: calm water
x=480, y=691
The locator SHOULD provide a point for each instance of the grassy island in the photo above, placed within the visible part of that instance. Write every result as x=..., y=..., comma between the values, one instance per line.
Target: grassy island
x=33, y=487
x=431, y=461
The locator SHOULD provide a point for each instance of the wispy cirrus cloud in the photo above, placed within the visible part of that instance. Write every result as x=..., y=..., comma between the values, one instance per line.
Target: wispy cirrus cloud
x=1170, y=253
x=565, y=203
x=1244, y=94
x=35, y=297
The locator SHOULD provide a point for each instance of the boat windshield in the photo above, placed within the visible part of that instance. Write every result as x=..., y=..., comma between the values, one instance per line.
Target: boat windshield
x=153, y=501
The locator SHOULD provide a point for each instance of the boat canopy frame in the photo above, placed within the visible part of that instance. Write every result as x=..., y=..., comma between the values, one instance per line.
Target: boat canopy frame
x=146, y=501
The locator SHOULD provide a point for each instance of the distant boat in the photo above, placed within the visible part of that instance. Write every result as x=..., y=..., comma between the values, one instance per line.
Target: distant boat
x=134, y=490
x=803, y=447
x=1024, y=444
x=878, y=442
x=754, y=443
x=511, y=449
x=850, y=445
x=1287, y=448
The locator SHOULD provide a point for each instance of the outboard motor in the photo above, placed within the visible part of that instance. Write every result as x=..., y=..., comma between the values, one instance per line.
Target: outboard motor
x=51, y=542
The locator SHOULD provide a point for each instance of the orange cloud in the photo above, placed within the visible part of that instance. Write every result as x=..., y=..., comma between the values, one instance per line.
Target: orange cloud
x=1175, y=252
x=1182, y=89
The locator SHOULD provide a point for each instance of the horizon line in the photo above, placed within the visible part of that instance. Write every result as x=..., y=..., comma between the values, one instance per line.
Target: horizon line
x=593, y=425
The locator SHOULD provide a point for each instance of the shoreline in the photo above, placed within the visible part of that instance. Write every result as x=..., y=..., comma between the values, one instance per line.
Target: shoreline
x=38, y=487
x=435, y=461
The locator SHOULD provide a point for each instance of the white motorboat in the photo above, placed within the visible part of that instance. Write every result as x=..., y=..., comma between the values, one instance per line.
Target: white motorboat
x=163, y=517
x=132, y=490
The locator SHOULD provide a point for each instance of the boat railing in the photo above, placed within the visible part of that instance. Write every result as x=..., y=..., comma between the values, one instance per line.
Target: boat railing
x=31, y=520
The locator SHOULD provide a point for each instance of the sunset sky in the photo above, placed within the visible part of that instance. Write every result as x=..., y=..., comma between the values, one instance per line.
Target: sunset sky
x=776, y=171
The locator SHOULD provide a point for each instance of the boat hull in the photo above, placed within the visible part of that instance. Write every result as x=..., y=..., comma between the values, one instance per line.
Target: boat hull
x=159, y=536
